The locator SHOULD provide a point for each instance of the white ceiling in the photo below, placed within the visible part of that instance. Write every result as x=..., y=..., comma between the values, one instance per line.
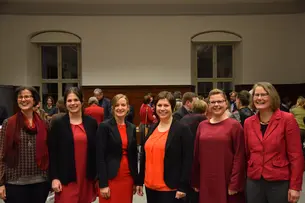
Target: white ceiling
x=147, y=1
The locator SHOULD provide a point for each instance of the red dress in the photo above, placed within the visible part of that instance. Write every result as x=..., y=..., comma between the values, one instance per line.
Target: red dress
x=219, y=162
x=83, y=190
x=121, y=187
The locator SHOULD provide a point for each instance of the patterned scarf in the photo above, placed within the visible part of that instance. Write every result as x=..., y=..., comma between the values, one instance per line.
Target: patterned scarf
x=12, y=139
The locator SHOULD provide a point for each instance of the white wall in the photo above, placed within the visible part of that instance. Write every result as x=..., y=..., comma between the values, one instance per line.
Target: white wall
x=152, y=50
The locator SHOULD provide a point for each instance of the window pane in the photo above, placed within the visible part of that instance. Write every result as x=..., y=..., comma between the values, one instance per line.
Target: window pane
x=224, y=61
x=66, y=86
x=69, y=62
x=49, y=89
x=227, y=87
x=203, y=88
x=205, y=61
x=49, y=62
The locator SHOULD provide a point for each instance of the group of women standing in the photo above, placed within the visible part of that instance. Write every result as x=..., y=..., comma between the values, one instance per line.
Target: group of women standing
x=265, y=156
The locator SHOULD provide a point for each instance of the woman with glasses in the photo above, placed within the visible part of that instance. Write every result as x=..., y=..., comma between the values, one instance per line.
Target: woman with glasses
x=273, y=149
x=219, y=155
x=23, y=152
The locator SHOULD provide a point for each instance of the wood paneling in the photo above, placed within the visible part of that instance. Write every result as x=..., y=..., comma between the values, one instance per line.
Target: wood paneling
x=292, y=91
x=135, y=94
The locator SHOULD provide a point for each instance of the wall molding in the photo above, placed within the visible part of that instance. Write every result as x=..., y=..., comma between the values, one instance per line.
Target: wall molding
x=72, y=9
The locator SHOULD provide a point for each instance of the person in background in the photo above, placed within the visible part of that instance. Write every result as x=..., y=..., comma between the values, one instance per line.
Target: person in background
x=273, y=150
x=40, y=111
x=177, y=96
x=242, y=104
x=116, y=153
x=299, y=114
x=219, y=155
x=94, y=110
x=232, y=107
x=103, y=102
x=24, y=156
x=187, y=102
x=285, y=104
x=146, y=116
x=49, y=106
x=192, y=121
x=72, y=147
x=166, y=156
x=3, y=114
x=130, y=115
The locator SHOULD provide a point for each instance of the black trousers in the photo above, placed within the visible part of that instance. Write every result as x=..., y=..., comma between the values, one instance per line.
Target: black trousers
x=263, y=191
x=192, y=196
x=32, y=193
x=154, y=196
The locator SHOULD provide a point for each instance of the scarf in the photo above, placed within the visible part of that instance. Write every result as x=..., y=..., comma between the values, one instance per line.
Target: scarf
x=12, y=139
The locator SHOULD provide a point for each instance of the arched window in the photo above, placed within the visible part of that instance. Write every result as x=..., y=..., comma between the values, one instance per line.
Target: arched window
x=59, y=61
x=214, y=60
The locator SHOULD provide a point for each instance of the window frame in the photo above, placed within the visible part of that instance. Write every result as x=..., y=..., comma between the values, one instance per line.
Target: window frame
x=59, y=81
x=214, y=80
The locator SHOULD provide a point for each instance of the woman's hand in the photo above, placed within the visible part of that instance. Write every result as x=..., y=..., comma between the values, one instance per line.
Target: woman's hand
x=2, y=192
x=196, y=189
x=56, y=185
x=105, y=192
x=139, y=190
x=180, y=195
x=232, y=192
x=293, y=196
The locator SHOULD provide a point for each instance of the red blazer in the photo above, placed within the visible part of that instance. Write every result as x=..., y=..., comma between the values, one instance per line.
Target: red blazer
x=278, y=155
x=95, y=112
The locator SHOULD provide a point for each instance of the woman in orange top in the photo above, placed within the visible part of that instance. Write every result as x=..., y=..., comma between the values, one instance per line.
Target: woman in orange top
x=167, y=156
x=117, y=155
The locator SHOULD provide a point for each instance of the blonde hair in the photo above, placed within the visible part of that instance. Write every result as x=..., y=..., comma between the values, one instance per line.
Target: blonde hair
x=273, y=94
x=217, y=91
x=116, y=98
x=301, y=102
x=199, y=106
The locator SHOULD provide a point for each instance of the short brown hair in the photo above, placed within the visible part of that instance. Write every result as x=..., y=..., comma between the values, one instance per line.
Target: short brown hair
x=244, y=97
x=270, y=89
x=199, y=106
x=188, y=96
x=169, y=96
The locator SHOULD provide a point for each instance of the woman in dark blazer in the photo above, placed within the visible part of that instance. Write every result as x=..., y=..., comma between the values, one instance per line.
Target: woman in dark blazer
x=116, y=153
x=71, y=144
x=273, y=148
x=166, y=156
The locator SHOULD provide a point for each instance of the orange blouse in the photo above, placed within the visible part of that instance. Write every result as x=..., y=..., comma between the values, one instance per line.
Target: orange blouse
x=154, y=166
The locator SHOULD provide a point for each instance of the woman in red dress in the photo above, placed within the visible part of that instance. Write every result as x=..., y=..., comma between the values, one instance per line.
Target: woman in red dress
x=117, y=155
x=72, y=153
x=219, y=155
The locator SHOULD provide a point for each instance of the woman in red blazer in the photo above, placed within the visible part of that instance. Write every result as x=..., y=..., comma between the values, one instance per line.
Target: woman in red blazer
x=273, y=149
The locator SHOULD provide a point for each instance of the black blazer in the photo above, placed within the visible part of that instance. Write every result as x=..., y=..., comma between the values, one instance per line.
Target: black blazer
x=180, y=113
x=178, y=157
x=61, y=149
x=109, y=151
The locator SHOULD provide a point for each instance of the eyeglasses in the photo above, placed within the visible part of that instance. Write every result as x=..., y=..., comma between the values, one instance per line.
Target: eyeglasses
x=262, y=95
x=26, y=97
x=218, y=102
